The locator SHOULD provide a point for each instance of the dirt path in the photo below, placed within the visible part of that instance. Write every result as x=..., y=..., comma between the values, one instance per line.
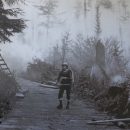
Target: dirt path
x=37, y=111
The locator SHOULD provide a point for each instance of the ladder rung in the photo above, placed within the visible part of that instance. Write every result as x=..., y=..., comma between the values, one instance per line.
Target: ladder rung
x=2, y=61
x=3, y=64
x=4, y=68
x=9, y=74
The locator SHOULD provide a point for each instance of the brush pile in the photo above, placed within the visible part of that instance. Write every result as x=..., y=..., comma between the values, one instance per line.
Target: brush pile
x=114, y=100
x=87, y=88
x=7, y=93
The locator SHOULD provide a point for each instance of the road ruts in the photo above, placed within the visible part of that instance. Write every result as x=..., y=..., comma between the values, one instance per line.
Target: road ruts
x=37, y=111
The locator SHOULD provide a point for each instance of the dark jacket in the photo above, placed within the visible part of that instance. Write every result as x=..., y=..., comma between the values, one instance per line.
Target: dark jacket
x=65, y=77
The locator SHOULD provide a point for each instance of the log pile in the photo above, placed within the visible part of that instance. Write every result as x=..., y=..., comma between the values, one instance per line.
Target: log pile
x=114, y=100
x=111, y=99
x=88, y=88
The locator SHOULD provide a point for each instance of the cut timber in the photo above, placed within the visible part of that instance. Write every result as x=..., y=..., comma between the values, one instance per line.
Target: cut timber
x=19, y=95
x=121, y=124
x=114, y=100
x=49, y=86
x=106, y=121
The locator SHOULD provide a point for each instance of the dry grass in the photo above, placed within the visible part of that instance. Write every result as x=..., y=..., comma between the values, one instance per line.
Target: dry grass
x=7, y=93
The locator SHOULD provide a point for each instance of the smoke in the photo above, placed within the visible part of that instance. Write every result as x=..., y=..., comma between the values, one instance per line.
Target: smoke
x=118, y=80
x=35, y=42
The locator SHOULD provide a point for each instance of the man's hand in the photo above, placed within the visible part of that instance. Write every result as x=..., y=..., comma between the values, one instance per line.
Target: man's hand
x=56, y=82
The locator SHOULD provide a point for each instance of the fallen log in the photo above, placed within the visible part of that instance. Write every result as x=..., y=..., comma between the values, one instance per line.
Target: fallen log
x=49, y=86
x=19, y=95
x=106, y=121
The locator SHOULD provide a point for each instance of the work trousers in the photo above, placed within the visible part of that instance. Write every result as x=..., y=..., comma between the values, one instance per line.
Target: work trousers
x=63, y=88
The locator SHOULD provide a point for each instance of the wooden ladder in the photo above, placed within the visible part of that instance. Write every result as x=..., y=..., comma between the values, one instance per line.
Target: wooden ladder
x=4, y=67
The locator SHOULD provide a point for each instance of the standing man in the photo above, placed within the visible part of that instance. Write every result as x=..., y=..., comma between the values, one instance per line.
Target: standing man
x=65, y=80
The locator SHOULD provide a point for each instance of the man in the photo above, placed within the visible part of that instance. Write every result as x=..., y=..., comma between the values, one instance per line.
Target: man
x=65, y=80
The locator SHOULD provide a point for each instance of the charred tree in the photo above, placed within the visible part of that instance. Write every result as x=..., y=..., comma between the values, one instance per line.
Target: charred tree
x=65, y=46
x=98, y=24
x=85, y=8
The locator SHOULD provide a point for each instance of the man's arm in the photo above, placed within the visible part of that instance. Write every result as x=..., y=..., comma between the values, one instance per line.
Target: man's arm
x=71, y=76
x=58, y=79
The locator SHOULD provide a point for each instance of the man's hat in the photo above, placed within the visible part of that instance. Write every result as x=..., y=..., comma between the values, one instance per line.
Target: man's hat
x=65, y=64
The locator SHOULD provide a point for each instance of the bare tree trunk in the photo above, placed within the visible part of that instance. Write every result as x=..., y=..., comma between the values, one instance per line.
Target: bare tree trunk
x=98, y=24
x=85, y=8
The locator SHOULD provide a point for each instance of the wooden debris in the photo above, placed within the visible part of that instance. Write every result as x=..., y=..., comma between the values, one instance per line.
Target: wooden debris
x=114, y=100
x=121, y=124
x=106, y=121
x=49, y=86
x=19, y=95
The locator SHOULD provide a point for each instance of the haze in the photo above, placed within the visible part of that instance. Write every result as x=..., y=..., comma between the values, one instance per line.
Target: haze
x=36, y=40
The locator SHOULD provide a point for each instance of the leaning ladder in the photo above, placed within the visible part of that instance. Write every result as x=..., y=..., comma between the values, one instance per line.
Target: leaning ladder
x=4, y=67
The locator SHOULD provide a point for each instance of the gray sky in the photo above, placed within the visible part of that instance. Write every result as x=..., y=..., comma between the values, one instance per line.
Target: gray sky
x=35, y=42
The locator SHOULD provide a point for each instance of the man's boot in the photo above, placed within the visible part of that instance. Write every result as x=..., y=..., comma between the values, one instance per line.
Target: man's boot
x=68, y=105
x=60, y=106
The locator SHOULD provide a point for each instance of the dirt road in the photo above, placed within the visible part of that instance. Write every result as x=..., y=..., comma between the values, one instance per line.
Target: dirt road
x=37, y=111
